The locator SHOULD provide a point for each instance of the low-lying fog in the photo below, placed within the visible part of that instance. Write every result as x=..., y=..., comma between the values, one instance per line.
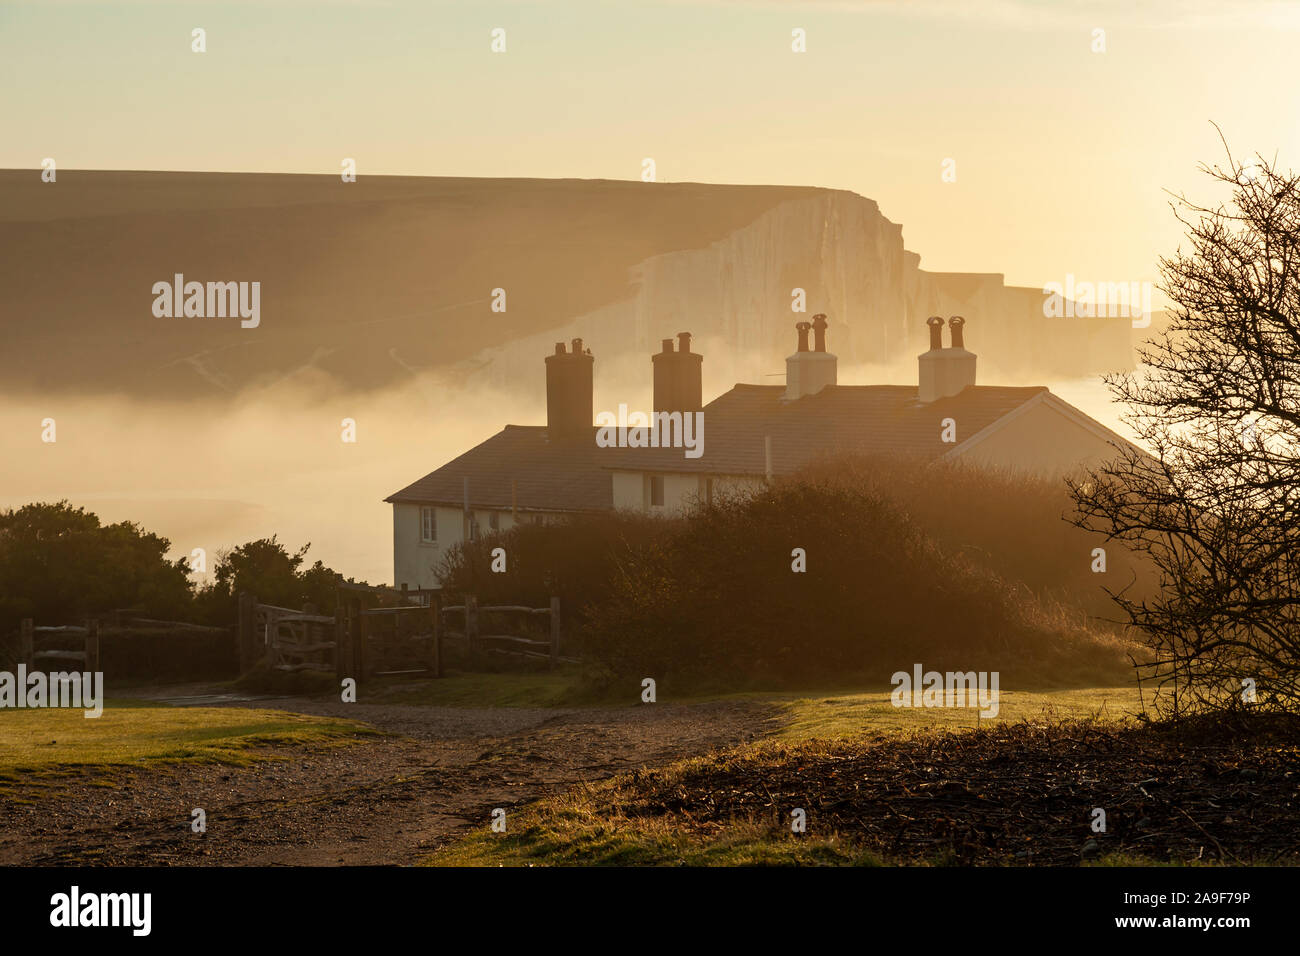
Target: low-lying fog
x=272, y=461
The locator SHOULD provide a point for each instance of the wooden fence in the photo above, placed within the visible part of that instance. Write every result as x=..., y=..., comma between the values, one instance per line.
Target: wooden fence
x=391, y=641
x=357, y=641
x=43, y=647
x=360, y=641
x=520, y=642
x=296, y=640
x=35, y=652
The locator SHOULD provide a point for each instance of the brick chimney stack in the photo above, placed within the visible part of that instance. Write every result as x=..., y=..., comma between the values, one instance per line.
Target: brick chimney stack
x=678, y=377
x=569, y=393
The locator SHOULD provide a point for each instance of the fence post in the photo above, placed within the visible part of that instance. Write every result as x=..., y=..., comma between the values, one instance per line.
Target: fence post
x=435, y=652
x=364, y=664
x=26, y=643
x=92, y=645
x=272, y=633
x=247, y=623
x=342, y=641
x=555, y=631
x=471, y=621
x=354, y=643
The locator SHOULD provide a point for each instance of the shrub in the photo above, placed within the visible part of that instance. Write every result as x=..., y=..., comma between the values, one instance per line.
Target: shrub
x=715, y=598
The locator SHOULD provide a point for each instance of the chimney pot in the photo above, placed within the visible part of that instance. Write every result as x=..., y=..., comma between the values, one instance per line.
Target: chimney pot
x=577, y=346
x=559, y=348
x=935, y=322
x=802, y=328
x=956, y=323
x=668, y=345
x=819, y=333
x=683, y=341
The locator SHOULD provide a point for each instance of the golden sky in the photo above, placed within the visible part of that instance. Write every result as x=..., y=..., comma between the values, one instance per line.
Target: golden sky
x=1062, y=158
x=1061, y=153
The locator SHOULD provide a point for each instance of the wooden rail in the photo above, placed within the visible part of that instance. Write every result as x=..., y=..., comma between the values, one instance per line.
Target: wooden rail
x=296, y=640
x=30, y=650
x=389, y=641
x=360, y=642
x=518, y=644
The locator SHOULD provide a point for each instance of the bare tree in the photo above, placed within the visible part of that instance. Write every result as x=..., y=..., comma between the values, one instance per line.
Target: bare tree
x=1216, y=505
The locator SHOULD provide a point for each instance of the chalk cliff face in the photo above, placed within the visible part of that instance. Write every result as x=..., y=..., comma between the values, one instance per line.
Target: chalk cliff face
x=365, y=285
x=735, y=296
x=837, y=247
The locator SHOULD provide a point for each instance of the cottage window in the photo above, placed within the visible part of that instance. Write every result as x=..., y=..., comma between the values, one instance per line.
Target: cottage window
x=494, y=520
x=428, y=524
x=657, y=490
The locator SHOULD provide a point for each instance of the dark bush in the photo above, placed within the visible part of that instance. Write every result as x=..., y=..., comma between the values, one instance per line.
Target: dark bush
x=1017, y=526
x=716, y=600
x=906, y=563
x=575, y=560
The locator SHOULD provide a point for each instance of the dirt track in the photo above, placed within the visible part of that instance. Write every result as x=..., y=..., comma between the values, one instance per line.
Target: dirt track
x=387, y=800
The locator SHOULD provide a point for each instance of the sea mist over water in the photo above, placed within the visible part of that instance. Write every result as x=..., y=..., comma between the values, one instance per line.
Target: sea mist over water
x=269, y=462
x=271, y=459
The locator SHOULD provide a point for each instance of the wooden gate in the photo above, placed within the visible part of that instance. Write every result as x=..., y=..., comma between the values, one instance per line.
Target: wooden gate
x=506, y=641
x=296, y=640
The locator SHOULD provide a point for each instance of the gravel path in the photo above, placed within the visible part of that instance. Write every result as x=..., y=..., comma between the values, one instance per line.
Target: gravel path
x=389, y=800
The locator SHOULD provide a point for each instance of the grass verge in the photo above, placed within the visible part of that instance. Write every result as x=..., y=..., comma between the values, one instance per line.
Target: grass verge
x=47, y=742
x=854, y=716
x=589, y=826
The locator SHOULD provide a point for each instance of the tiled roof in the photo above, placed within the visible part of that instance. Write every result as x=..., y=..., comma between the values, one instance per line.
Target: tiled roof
x=548, y=477
x=851, y=418
x=885, y=419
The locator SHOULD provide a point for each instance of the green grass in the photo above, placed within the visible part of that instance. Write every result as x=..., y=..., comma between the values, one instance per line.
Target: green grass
x=130, y=733
x=830, y=711
x=858, y=715
x=586, y=827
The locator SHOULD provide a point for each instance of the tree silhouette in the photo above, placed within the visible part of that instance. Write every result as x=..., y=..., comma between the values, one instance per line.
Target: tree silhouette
x=1216, y=505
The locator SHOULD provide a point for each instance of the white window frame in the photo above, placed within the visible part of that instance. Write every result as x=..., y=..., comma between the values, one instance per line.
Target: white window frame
x=428, y=524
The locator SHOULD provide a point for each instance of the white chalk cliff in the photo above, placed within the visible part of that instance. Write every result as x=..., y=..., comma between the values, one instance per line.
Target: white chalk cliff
x=734, y=296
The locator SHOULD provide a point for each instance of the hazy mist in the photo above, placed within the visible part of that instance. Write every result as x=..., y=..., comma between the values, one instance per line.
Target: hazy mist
x=272, y=461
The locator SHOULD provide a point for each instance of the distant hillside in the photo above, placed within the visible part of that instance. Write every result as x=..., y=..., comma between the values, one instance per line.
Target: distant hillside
x=370, y=281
